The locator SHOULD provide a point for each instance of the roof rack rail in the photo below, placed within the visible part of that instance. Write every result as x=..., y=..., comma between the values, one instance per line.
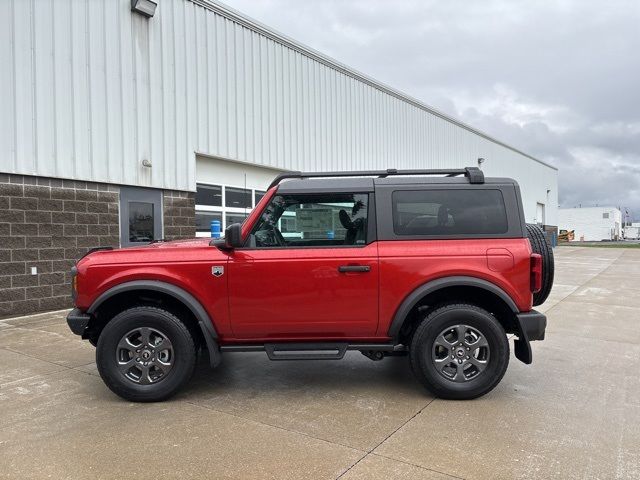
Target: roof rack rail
x=474, y=174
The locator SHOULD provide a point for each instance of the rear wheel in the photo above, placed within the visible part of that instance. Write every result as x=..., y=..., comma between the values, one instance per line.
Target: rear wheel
x=145, y=354
x=540, y=245
x=459, y=351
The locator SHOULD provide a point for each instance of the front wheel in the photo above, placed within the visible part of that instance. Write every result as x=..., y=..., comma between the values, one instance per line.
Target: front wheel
x=145, y=354
x=459, y=351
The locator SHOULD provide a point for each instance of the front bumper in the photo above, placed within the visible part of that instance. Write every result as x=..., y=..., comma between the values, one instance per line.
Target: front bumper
x=533, y=324
x=78, y=321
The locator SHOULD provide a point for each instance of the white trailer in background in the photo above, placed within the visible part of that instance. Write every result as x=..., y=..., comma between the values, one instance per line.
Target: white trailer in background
x=592, y=224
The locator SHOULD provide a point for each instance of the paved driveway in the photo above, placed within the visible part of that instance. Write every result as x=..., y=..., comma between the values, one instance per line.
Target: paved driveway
x=574, y=413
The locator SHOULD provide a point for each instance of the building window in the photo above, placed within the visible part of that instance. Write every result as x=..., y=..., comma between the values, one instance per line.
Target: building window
x=237, y=198
x=210, y=195
x=204, y=219
x=226, y=203
x=605, y=215
x=140, y=222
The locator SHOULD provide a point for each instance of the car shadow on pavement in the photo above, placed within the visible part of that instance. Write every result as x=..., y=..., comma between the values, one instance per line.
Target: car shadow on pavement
x=243, y=373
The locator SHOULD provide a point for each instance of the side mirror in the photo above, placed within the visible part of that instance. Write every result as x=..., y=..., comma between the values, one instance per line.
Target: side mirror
x=232, y=238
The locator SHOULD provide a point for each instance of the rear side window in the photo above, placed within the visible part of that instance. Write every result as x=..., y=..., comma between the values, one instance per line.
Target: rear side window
x=449, y=212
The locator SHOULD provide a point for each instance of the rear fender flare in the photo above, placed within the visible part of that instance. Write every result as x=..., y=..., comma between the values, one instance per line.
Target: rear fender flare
x=433, y=286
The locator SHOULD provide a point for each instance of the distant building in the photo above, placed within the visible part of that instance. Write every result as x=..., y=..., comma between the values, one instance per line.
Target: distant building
x=632, y=232
x=592, y=224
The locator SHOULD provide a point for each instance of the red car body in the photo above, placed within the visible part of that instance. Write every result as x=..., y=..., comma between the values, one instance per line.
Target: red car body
x=439, y=269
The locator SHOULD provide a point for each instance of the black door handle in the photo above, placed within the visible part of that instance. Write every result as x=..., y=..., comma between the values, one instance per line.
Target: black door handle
x=353, y=268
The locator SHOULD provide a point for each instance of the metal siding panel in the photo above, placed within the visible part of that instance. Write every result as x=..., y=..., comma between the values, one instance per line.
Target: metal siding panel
x=24, y=88
x=113, y=92
x=240, y=85
x=97, y=90
x=221, y=57
x=179, y=127
x=211, y=81
x=187, y=161
x=231, y=91
x=202, y=73
x=157, y=151
x=43, y=67
x=7, y=87
x=124, y=156
x=168, y=99
x=62, y=90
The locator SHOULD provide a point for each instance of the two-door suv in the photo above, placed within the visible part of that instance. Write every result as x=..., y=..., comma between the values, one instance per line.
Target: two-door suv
x=438, y=265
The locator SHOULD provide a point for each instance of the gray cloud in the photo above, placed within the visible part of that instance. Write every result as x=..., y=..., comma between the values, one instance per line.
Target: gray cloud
x=558, y=79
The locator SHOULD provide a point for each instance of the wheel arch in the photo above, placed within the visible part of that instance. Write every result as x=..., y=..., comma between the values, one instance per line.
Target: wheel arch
x=138, y=288
x=455, y=288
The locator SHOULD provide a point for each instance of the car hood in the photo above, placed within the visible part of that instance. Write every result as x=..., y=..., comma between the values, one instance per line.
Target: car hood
x=195, y=249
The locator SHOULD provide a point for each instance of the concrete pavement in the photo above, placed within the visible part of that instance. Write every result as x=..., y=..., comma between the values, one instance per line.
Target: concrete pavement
x=574, y=413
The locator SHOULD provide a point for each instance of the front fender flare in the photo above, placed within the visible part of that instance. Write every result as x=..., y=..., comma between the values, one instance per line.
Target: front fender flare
x=188, y=300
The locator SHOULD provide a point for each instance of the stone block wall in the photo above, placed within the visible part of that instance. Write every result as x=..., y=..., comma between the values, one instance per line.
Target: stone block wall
x=179, y=215
x=45, y=225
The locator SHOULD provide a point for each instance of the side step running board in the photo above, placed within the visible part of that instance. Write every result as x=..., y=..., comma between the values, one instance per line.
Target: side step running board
x=301, y=351
x=308, y=350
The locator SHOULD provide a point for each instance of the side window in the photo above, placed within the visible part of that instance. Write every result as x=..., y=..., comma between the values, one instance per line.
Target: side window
x=317, y=220
x=449, y=212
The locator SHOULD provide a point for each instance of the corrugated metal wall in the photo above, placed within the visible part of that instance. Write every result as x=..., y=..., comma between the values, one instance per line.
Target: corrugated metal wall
x=91, y=89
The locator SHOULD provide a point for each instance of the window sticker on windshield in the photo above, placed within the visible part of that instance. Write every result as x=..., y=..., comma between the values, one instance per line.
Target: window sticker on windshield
x=314, y=219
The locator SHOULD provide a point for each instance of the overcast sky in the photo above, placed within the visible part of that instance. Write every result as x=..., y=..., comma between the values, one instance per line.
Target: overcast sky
x=558, y=79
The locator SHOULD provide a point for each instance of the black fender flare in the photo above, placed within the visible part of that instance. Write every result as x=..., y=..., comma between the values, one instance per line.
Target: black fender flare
x=184, y=297
x=438, y=284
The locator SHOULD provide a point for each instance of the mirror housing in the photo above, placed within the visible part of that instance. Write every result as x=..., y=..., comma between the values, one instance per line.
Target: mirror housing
x=232, y=238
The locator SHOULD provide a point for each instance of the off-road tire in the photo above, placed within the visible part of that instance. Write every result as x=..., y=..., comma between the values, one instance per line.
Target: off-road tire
x=540, y=245
x=423, y=362
x=146, y=317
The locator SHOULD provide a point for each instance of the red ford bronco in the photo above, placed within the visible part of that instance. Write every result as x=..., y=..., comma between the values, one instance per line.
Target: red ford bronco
x=438, y=265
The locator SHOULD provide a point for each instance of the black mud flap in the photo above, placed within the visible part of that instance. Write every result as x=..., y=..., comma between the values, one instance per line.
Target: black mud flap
x=523, y=351
x=215, y=358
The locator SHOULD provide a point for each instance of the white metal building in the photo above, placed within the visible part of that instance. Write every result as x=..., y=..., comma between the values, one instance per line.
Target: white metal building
x=592, y=223
x=198, y=103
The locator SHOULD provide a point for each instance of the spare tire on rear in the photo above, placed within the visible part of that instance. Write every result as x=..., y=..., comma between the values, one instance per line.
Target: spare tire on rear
x=540, y=245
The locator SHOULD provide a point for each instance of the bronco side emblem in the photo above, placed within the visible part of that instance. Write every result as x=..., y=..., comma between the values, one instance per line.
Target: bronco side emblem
x=217, y=271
